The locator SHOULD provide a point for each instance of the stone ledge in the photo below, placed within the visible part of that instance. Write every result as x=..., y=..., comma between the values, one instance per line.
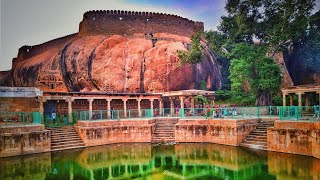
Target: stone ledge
x=22, y=128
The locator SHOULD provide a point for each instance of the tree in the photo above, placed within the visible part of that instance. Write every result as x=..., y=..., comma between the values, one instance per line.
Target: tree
x=273, y=24
x=276, y=23
x=194, y=55
x=251, y=71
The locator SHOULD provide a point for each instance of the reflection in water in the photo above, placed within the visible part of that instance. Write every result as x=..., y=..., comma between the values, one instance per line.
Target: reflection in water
x=144, y=161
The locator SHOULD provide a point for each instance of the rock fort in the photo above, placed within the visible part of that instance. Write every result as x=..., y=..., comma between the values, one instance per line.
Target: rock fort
x=116, y=51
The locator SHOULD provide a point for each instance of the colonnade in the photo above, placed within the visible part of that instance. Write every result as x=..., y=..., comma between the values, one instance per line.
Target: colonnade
x=301, y=95
x=70, y=99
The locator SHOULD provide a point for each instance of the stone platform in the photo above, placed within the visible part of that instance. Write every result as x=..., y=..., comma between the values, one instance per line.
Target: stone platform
x=295, y=137
x=28, y=139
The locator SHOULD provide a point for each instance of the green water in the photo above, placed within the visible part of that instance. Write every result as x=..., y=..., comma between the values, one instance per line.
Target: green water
x=144, y=161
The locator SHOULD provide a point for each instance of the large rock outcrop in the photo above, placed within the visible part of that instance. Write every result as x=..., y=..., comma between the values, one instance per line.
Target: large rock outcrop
x=139, y=62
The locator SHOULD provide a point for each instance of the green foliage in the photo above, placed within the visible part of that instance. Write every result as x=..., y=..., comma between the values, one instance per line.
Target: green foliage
x=276, y=23
x=232, y=97
x=217, y=42
x=277, y=100
x=252, y=72
x=194, y=55
x=202, y=99
x=203, y=85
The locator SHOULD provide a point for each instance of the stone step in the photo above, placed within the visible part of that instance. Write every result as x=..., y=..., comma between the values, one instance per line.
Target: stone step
x=66, y=142
x=254, y=146
x=67, y=145
x=163, y=136
x=73, y=147
x=165, y=130
x=163, y=139
x=64, y=137
x=255, y=142
x=264, y=128
x=256, y=139
x=257, y=133
x=64, y=132
x=163, y=133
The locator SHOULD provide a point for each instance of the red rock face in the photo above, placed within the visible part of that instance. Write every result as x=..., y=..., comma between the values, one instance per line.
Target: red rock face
x=115, y=64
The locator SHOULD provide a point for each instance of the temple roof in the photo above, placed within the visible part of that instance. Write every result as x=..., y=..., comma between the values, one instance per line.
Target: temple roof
x=302, y=88
x=191, y=92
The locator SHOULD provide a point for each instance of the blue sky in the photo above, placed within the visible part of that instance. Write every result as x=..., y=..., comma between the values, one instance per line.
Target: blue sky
x=31, y=22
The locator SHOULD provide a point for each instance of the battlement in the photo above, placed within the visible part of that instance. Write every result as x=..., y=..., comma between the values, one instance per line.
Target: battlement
x=26, y=52
x=108, y=22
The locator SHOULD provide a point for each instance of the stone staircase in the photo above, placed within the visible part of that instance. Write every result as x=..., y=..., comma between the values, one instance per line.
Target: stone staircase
x=257, y=139
x=65, y=138
x=164, y=131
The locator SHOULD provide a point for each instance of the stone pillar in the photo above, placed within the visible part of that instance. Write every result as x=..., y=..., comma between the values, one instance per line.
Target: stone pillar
x=90, y=108
x=139, y=106
x=307, y=100
x=109, y=107
x=160, y=106
x=181, y=102
x=151, y=107
x=192, y=102
x=291, y=101
x=70, y=100
x=299, y=99
x=284, y=99
x=151, y=103
x=212, y=103
x=125, y=107
x=181, y=106
x=41, y=100
x=171, y=105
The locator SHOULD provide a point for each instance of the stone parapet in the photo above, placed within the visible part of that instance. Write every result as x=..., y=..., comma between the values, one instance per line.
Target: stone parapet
x=224, y=131
x=26, y=142
x=295, y=137
x=103, y=132
x=22, y=128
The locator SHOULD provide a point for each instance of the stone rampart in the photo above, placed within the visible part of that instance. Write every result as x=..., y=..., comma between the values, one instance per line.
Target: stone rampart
x=26, y=52
x=130, y=22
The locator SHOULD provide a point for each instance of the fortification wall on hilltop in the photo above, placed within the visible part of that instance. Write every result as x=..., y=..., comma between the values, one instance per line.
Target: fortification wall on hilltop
x=26, y=52
x=129, y=22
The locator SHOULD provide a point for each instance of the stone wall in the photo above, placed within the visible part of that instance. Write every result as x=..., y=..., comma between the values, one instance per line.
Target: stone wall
x=224, y=131
x=130, y=22
x=295, y=137
x=9, y=104
x=24, y=140
x=110, y=131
